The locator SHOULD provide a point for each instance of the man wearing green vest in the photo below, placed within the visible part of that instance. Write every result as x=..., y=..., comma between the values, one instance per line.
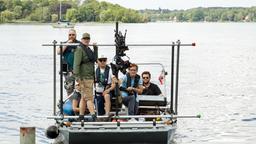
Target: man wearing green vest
x=84, y=59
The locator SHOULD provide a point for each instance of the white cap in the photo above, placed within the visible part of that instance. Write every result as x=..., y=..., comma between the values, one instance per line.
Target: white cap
x=102, y=57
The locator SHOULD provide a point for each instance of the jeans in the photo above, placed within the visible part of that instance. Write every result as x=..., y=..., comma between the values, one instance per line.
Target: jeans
x=131, y=103
x=99, y=101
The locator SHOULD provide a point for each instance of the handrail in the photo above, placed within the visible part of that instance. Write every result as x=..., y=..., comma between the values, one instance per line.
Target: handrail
x=77, y=44
x=128, y=116
x=172, y=45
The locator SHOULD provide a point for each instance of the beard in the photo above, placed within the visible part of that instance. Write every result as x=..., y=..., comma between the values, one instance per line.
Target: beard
x=146, y=82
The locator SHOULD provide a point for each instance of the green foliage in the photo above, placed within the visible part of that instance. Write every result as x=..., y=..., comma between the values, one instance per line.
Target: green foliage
x=72, y=10
x=213, y=14
x=2, y=5
x=17, y=12
x=71, y=15
x=95, y=11
x=36, y=15
x=54, y=18
x=7, y=16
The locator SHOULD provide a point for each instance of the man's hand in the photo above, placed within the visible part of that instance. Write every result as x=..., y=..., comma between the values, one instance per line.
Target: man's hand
x=106, y=92
x=94, y=44
x=70, y=41
x=129, y=89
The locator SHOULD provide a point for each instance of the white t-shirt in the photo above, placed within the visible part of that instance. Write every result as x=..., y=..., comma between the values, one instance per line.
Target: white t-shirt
x=99, y=87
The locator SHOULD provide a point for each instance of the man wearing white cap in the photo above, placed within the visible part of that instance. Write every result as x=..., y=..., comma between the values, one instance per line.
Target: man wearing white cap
x=104, y=84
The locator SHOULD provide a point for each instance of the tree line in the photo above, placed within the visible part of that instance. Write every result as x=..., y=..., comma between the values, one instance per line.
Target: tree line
x=212, y=14
x=72, y=10
x=47, y=11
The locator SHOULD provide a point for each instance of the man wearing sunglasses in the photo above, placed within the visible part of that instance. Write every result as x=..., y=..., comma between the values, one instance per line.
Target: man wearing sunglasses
x=104, y=84
x=131, y=86
x=84, y=60
x=68, y=60
x=68, y=51
x=148, y=87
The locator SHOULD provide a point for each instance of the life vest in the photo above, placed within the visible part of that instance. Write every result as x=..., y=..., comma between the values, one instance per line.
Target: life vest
x=106, y=75
x=128, y=83
x=136, y=81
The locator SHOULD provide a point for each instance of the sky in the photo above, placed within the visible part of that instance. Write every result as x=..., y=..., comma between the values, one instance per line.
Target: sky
x=181, y=4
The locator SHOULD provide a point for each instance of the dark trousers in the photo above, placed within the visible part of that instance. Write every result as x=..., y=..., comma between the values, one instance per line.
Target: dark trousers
x=130, y=102
x=99, y=101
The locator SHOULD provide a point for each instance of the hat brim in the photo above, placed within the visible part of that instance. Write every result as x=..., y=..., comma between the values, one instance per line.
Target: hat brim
x=102, y=58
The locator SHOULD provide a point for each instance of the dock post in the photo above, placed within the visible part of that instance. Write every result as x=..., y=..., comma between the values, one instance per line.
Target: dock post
x=27, y=135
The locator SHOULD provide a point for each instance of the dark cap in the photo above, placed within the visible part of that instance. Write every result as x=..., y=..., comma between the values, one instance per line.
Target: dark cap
x=86, y=35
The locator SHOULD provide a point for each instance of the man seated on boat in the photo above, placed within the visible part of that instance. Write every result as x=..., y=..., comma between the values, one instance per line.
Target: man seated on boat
x=149, y=88
x=104, y=86
x=131, y=86
x=71, y=104
x=68, y=60
x=84, y=60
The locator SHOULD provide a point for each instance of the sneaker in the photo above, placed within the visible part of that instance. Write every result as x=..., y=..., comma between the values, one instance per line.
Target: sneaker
x=132, y=120
x=94, y=117
x=81, y=117
x=108, y=117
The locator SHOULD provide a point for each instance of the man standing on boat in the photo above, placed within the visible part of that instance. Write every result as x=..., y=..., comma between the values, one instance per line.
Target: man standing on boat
x=68, y=58
x=148, y=87
x=84, y=59
x=104, y=85
x=130, y=88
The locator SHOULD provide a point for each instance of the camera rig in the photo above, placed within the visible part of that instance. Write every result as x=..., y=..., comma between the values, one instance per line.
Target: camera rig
x=120, y=64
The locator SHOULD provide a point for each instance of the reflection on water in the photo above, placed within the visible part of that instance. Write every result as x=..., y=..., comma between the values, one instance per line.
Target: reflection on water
x=217, y=77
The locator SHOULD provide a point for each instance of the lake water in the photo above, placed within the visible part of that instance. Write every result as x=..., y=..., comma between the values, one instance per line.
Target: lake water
x=217, y=77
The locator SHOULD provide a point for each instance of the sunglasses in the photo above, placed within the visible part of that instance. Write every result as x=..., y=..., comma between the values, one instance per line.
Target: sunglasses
x=145, y=77
x=102, y=60
x=71, y=34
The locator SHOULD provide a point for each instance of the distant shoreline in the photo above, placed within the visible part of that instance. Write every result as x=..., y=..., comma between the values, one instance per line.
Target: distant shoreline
x=88, y=23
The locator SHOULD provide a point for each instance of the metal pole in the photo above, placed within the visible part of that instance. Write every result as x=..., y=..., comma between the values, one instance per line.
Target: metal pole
x=117, y=86
x=172, y=77
x=177, y=77
x=129, y=116
x=159, y=44
x=61, y=82
x=115, y=36
x=135, y=45
x=27, y=135
x=54, y=77
x=60, y=11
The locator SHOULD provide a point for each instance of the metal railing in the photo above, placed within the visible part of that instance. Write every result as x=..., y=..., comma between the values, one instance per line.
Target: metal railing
x=173, y=106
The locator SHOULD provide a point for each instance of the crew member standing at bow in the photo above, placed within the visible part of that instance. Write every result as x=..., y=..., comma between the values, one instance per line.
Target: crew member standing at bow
x=84, y=60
